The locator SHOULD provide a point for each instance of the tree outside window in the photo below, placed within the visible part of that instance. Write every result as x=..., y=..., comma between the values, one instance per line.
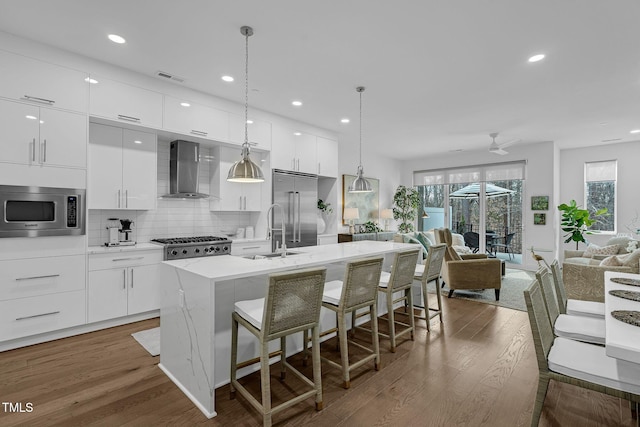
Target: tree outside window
x=600, y=192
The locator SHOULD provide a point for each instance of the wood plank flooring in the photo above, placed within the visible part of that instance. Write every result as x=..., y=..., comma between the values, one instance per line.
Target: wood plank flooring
x=476, y=369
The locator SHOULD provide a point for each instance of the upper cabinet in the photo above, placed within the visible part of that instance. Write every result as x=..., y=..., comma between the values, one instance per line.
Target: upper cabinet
x=42, y=83
x=327, y=154
x=304, y=152
x=125, y=103
x=38, y=136
x=122, y=168
x=190, y=118
x=259, y=132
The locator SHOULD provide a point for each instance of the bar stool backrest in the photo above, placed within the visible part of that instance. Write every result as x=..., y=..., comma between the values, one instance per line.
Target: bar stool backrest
x=541, y=328
x=559, y=283
x=293, y=302
x=360, y=284
x=544, y=277
x=433, y=263
x=403, y=270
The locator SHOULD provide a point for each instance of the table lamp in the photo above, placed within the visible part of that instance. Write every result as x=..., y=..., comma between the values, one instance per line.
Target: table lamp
x=386, y=214
x=350, y=214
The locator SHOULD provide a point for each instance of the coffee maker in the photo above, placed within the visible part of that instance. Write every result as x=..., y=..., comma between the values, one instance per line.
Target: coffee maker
x=126, y=229
x=113, y=225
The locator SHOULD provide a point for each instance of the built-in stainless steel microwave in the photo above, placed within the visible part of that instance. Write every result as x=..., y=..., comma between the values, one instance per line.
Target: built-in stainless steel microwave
x=41, y=211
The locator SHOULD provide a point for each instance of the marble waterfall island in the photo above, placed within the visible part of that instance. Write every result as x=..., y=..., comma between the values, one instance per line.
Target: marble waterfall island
x=198, y=296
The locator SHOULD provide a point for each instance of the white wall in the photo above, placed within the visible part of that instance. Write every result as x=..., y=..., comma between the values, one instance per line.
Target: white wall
x=540, y=176
x=572, y=182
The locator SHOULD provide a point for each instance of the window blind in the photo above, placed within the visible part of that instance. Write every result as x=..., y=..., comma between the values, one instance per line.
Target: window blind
x=600, y=171
x=468, y=174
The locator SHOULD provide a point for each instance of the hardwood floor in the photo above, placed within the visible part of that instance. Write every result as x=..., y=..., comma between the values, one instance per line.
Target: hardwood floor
x=478, y=368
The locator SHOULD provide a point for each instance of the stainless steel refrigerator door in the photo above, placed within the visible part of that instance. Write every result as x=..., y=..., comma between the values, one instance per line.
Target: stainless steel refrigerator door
x=283, y=195
x=306, y=222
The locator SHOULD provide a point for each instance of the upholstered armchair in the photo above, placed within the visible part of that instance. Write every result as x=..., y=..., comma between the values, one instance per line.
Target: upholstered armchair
x=468, y=271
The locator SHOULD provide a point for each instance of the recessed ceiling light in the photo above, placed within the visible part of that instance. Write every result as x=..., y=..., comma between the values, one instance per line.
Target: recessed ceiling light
x=536, y=58
x=249, y=122
x=41, y=121
x=297, y=133
x=227, y=78
x=31, y=117
x=185, y=104
x=137, y=142
x=297, y=103
x=345, y=120
x=635, y=131
x=90, y=80
x=116, y=38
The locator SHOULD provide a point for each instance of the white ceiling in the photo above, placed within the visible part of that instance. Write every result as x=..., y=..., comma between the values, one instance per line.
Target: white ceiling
x=439, y=75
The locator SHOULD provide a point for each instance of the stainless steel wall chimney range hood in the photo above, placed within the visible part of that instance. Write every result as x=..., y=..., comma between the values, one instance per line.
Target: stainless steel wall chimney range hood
x=184, y=162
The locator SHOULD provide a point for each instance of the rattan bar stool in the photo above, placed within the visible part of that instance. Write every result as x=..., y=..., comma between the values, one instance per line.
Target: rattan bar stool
x=359, y=289
x=399, y=280
x=292, y=305
x=428, y=272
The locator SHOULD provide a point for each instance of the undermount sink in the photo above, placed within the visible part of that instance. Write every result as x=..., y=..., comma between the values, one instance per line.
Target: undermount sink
x=273, y=255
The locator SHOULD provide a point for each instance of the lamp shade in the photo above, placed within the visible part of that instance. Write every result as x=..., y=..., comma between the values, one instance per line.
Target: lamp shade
x=386, y=214
x=351, y=213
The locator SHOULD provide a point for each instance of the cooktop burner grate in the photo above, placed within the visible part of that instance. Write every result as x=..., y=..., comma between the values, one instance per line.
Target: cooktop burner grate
x=193, y=247
x=197, y=239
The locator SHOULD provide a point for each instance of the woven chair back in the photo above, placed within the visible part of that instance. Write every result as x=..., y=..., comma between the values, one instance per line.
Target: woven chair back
x=293, y=301
x=361, y=283
x=559, y=284
x=433, y=263
x=544, y=277
x=541, y=328
x=403, y=270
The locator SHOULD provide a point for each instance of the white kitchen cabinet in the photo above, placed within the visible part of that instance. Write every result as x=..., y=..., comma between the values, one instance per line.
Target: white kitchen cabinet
x=42, y=83
x=190, y=118
x=38, y=136
x=125, y=103
x=327, y=239
x=294, y=151
x=233, y=196
x=327, y=155
x=128, y=286
x=122, y=168
x=253, y=247
x=259, y=132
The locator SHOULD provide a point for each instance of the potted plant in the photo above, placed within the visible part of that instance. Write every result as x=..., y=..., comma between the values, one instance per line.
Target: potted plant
x=370, y=227
x=575, y=221
x=406, y=202
x=323, y=210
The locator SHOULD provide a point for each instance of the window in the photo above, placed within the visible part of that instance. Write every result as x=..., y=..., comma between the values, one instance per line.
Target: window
x=600, y=192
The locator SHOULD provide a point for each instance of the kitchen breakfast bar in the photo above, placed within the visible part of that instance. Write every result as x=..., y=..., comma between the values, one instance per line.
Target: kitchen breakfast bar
x=198, y=296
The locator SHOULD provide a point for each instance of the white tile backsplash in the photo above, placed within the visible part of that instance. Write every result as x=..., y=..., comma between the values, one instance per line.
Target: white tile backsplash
x=172, y=217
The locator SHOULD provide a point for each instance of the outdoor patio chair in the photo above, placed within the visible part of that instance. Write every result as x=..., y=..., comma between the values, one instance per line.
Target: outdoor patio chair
x=472, y=240
x=506, y=246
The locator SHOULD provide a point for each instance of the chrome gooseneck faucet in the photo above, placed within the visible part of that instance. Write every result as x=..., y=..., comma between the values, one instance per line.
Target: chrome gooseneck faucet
x=282, y=229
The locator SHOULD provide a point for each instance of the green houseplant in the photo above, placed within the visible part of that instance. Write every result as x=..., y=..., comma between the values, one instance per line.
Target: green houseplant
x=575, y=222
x=371, y=227
x=406, y=202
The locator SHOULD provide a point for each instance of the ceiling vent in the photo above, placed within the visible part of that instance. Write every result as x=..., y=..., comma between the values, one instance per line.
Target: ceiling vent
x=169, y=76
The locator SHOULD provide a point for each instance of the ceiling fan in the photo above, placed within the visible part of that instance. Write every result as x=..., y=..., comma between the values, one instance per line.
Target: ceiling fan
x=496, y=148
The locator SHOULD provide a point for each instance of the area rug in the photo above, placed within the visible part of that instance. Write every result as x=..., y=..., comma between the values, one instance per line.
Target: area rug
x=149, y=339
x=511, y=294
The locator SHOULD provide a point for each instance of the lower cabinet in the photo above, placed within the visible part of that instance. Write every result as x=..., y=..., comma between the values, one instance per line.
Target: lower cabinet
x=129, y=288
x=256, y=247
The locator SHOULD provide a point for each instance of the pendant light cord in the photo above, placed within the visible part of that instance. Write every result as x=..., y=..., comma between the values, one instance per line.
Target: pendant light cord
x=360, y=90
x=246, y=87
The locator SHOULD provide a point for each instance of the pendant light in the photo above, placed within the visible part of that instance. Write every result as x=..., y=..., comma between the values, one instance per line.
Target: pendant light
x=245, y=170
x=360, y=184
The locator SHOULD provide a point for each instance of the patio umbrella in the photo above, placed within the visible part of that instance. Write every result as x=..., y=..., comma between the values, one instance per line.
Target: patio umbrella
x=472, y=191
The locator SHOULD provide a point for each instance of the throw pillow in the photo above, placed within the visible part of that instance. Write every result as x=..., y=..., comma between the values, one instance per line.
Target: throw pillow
x=424, y=240
x=630, y=260
x=597, y=250
x=611, y=261
x=622, y=243
x=407, y=238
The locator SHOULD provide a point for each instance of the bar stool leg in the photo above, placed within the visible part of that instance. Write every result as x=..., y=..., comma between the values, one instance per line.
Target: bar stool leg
x=425, y=301
x=374, y=335
x=344, y=350
x=317, y=375
x=412, y=320
x=265, y=384
x=305, y=348
x=392, y=326
x=439, y=298
x=283, y=357
x=234, y=357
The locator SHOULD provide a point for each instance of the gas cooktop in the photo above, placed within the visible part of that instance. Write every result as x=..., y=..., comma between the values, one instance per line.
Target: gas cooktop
x=192, y=247
x=187, y=240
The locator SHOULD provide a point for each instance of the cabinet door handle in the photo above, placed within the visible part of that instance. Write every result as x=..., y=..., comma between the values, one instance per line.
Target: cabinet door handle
x=38, y=277
x=128, y=259
x=126, y=198
x=250, y=247
x=132, y=278
x=124, y=279
x=40, y=100
x=245, y=202
x=298, y=165
x=119, y=198
x=33, y=152
x=38, y=315
x=318, y=168
x=44, y=152
x=293, y=163
x=199, y=132
x=129, y=118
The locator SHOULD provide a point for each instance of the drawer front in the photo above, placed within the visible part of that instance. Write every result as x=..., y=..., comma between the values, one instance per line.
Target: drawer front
x=29, y=316
x=123, y=259
x=41, y=276
x=251, y=248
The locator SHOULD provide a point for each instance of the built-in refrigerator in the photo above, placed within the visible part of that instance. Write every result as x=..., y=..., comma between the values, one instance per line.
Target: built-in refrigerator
x=297, y=193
